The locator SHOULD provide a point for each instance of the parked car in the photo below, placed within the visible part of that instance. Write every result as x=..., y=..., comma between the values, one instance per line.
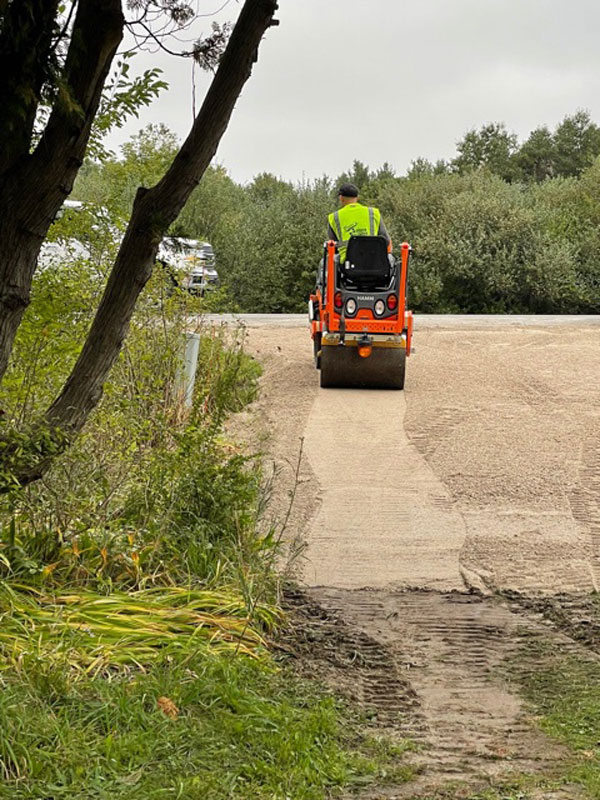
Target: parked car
x=73, y=243
x=190, y=262
x=65, y=251
x=194, y=260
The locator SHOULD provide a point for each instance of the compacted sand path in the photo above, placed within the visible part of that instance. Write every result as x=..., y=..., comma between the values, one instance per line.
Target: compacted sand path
x=485, y=469
x=417, y=510
x=384, y=518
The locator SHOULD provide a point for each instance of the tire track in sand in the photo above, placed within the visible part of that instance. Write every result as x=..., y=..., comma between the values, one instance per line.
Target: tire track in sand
x=585, y=497
x=384, y=518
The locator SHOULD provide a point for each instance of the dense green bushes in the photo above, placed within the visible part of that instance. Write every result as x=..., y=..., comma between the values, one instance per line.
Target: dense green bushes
x=486, y=246
x=482, y=245
x=500, y=229
x=147, y=489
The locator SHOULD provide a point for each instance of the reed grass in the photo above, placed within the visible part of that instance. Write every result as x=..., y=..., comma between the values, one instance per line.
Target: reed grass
x=101, y=633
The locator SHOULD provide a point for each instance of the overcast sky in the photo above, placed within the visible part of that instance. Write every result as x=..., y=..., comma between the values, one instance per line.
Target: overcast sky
x=387, y=80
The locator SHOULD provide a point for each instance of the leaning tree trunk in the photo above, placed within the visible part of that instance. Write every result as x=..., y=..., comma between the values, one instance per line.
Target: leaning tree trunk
x=153, y=212
x=33, y=186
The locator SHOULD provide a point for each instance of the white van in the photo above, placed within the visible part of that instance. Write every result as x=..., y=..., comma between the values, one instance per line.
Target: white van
x=193, y=259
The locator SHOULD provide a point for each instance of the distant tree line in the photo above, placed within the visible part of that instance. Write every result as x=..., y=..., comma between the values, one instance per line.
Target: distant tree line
x=562, y=153
x=504, y=227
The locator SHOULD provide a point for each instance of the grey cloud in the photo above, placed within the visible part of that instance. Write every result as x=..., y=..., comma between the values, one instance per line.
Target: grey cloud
x=391, y=81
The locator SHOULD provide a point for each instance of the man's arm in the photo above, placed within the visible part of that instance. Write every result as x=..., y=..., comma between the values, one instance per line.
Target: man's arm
x=383, y=232
x=331, y=234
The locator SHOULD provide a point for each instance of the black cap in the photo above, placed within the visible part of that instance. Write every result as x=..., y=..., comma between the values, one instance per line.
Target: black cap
x=348, y=190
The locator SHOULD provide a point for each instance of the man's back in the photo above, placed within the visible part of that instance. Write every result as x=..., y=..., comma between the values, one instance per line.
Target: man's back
x=354, y=219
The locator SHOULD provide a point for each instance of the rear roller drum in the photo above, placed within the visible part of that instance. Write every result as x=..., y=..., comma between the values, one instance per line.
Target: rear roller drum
x=342, y=367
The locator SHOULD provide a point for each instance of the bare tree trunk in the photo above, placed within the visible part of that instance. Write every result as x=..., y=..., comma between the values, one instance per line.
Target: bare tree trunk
x=26, y=44
x=34, y=186
x=153, y=211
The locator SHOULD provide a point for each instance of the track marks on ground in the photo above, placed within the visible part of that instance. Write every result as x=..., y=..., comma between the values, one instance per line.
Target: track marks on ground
x=585, y=497
x=435, y=427
x=447, y=652
x=348, y=658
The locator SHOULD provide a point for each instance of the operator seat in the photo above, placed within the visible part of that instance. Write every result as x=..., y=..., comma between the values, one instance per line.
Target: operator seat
x=367, y=265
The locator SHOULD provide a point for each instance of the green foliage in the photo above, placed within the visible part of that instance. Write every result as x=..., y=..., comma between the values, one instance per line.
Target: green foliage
x=501, y=229
x=97, y=634
x=565, y=693
x=278, y=246
x=114, y=183
x=146, y=476
x=23, y=449
x=214, y=211
x=483, y=245
x=203, y=729
x=535, y=159
x=565, y=153
x=123, y=97
x=492, y=147
x=577, y=143
x=360, y=175
x=50, y=341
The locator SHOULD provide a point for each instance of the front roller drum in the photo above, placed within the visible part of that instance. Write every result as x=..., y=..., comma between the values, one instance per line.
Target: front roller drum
x=342, y=367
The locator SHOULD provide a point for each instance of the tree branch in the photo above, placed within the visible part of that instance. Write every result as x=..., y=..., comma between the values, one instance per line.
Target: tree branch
x=26, y=40
x=97, y=33
x=153, y=211
x=36, y=185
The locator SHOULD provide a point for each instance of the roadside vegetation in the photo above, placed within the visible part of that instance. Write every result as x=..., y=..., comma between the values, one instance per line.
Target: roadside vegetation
x=504, y=227
x=563, y=688
x=566, y=695
x=138, y=596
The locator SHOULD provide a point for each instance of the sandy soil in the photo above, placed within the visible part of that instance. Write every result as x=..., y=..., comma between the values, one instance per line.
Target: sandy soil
x=484, y=472
x=509, y=421
x=429, y=666
x=482, y=476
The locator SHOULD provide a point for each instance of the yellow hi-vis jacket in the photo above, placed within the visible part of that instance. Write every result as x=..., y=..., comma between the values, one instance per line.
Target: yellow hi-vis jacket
x=354, y=219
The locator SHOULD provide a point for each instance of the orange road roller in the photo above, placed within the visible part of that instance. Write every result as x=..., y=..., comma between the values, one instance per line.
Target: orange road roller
x=359, y=324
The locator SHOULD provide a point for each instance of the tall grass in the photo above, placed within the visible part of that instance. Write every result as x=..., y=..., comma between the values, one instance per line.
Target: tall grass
x=235, y=729
x=150, y=494
x=95, y=634
x=137, y=589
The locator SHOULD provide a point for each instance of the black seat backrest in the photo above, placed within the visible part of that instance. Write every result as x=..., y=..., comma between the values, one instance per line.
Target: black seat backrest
x=366, y=265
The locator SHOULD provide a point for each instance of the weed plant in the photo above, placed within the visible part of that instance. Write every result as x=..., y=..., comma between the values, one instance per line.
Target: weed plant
x=151, y=492
x=204, y=729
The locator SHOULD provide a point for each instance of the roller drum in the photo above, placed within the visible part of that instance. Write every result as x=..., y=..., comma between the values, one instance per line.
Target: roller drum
x=342, y=367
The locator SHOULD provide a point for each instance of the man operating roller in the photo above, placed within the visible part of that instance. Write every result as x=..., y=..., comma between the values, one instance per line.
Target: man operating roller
x=352, y=219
